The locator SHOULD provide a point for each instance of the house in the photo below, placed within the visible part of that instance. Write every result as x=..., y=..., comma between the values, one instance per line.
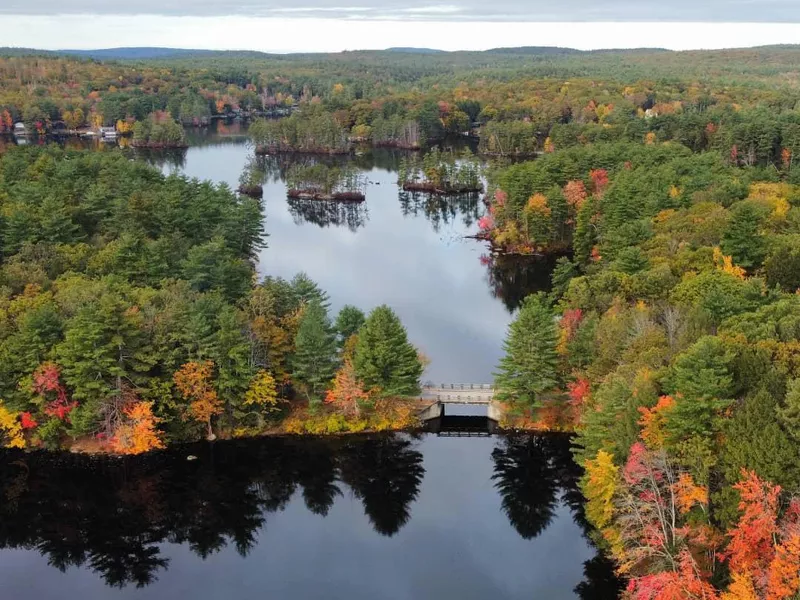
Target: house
x=20, y=129
x=108, y=132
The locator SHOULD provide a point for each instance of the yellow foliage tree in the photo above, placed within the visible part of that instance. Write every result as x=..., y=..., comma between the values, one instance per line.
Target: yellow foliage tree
x=10, y=429
x=262, y=393
x=725, y=264
x=601, y=485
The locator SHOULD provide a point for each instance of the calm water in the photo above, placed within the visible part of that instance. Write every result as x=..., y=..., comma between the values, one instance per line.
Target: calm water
x=389, y=516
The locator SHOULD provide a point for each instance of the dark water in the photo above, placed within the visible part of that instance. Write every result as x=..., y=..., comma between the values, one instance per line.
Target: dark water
x=370, y=517
x=387, y=516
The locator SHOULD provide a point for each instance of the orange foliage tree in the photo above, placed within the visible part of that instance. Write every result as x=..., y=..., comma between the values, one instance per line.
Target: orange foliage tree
x=347, y=392
x=764, y=549
x=194, y=383
x=138, y=433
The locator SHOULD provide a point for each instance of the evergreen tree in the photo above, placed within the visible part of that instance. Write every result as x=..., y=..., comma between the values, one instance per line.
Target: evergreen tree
x=743, y=239
x=314, y=360
x=585, y=234
x=562, y=274
x=529, y=367
x=348, y=322
x=306, y=291
x=755, y=441
x=702, y=385
x=384, y=359
x=789, y=413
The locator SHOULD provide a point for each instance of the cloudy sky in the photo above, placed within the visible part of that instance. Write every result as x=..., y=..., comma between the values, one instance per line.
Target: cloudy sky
x=329, y=25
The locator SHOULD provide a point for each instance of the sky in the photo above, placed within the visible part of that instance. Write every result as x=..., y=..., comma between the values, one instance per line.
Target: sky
x=335, y=25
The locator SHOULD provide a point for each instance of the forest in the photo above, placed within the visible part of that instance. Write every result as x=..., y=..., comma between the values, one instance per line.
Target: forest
x=518, y=102
x=131, y=316
x=669, y=344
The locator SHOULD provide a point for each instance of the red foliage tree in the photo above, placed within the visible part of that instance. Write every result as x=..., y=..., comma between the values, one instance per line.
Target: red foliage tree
x=47, y=382
x=27, y=421
x=599, y=179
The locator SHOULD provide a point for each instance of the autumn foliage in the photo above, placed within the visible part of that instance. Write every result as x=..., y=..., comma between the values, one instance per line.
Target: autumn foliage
x=194, y=381
x=138, y=433
x=346, y=393
x=47, y=383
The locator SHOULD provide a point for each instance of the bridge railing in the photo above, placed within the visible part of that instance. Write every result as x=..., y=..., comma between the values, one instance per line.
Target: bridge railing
x=460, y=386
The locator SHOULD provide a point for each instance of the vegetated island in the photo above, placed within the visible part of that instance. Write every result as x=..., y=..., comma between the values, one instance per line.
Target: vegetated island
x=440, y=173
x=321, y=182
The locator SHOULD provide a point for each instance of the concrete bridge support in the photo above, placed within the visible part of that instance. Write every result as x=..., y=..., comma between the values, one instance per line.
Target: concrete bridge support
x=495, y=411
x=434, y=411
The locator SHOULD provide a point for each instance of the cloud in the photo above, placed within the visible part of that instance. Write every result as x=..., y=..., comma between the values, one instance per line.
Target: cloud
x=739, y=11
x=289, y=33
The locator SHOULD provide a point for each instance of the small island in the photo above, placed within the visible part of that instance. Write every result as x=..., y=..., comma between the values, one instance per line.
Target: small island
x=440, y=173
x=320, y=182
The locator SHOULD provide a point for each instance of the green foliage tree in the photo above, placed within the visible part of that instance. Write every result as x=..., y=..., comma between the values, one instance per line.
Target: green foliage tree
x=348, y=322
x=384, y=359
x=743, y=239
x=702, y=384
x=314, y=358
x=529, y=367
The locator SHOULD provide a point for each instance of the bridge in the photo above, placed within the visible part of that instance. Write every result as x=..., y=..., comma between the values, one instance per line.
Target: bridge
x=481, y=394
x=459, y=393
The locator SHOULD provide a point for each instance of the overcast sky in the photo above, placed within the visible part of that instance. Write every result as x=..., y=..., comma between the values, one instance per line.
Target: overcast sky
x=306, y=25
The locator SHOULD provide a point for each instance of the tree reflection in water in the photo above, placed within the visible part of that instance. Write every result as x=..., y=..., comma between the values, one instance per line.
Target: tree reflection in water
x=513, y=278
x=534, y=475
x=112, y=515
x=525, y=474
x=442, y=210
x=385, y=473
x=326, y=213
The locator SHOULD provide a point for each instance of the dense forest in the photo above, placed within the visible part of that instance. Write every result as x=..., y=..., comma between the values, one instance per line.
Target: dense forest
x=673, y=354
x=129, y=316
x=519, y=102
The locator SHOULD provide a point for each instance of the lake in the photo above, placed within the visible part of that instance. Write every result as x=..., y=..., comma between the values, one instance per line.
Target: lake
x=376, y=516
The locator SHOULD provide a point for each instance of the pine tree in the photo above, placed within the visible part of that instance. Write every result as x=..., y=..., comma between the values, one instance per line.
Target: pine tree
x=529, y=367
x=384, y=359
x=314, y=360
x=348, y=322
x=742, y=238
x=306, y=291
x=702, y=386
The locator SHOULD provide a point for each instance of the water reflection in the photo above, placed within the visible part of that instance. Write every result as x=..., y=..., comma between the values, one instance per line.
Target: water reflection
x=512, y=278
x=442, y=210
x=121, y=518
x=328, y=214
x=110, y=515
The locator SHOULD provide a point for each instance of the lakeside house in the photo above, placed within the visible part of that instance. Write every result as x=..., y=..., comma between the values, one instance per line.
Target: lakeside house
x=108, y=133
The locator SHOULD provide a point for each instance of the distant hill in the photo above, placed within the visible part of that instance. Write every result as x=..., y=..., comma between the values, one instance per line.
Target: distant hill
x=417, y=50
x=538, y=50
x=145, y=53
